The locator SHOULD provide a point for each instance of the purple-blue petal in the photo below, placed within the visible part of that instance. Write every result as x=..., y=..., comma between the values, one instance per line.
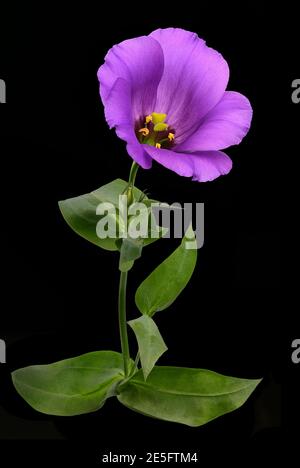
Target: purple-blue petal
x=201, y=166
x=117, y=108
x=194, y=79
x=140, y=62
x=225, y=125
x=128, y=85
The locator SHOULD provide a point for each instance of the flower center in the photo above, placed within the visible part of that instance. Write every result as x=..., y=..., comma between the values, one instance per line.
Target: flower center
x=156, y=131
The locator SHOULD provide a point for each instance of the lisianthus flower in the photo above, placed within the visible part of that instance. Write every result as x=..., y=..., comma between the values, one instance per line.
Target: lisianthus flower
x=165, y=94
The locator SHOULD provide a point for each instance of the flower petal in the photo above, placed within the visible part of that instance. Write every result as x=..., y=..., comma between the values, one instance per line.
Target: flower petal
x=117, y=107
x=202, y=166
x=140, y=62
x=225, y=125
x=194, y=80
x=118, y=104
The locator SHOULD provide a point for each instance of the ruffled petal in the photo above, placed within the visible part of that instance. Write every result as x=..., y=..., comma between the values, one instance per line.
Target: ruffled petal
x=202, y=166
x=140, y=62
x=225, y=125
x=117, y=107
x=194, y=80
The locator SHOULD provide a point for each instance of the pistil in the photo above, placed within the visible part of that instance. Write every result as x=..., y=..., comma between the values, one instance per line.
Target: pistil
x=154, y=132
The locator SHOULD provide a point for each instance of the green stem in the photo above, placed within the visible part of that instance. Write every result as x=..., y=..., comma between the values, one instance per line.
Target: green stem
x=122, y=321
x=122, y=291
x=135, y=367
x=133, y=172
x=137, y=360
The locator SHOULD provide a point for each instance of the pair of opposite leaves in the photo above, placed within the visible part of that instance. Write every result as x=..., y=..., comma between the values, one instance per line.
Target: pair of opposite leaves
x=82, y=384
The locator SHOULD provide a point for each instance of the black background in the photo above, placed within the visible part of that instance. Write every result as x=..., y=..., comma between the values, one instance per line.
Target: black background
x=59, y=292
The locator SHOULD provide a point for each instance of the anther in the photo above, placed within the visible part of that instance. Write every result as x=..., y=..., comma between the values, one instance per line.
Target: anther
x=144, y=131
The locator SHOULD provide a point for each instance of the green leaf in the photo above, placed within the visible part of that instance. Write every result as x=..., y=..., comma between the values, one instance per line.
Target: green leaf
x=151, y=344
x=187, y=396
x=73, y=386
x=154, y=234
x=155, y=231
x=80, y=213
x=160, y=289
x=131, y=250
x=111, y=191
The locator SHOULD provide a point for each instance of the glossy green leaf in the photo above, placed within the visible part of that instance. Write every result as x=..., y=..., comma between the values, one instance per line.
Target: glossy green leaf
x=160, y=289
x=150, y=341
x=73, y=386
x=187, y=396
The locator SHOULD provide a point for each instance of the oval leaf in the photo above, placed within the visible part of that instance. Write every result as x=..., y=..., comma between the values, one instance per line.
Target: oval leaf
x=150, y=341
x=80, y=213
x=73, y=386
x=165, y=283
x=187, y=396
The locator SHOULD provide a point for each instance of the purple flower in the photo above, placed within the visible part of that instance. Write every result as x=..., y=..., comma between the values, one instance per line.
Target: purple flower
x=165, y=95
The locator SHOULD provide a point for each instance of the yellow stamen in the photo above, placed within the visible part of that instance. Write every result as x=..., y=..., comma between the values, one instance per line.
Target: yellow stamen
x=148, y=119
x=171, y=136
x=144, y=131
x=158, y=145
